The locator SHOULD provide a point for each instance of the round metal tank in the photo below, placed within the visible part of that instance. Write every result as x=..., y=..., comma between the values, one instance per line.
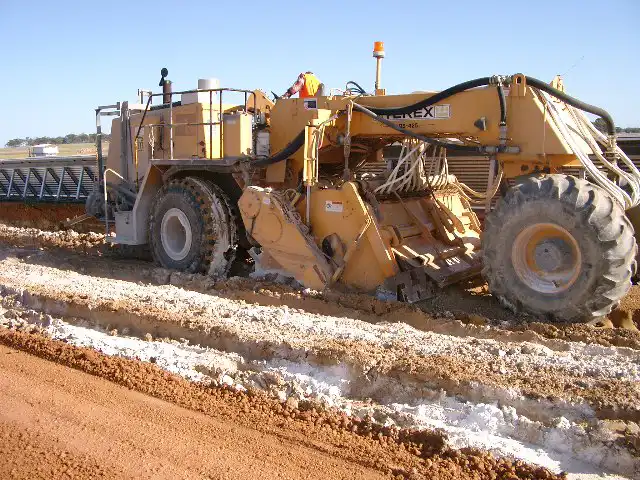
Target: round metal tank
x=208, y=83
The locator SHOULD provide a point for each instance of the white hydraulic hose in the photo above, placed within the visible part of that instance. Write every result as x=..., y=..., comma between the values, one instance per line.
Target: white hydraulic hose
x=420, y=165
x=603, y=139
x=587, y=133
x=404, y=161
x=631, y=180
x=479, y=198
x=591, y=169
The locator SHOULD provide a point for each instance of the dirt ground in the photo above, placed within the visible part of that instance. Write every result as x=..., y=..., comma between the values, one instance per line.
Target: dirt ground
x=54, y=282
x=467, y=306
x=443, y=383
x=58, y=422
x=47, y=217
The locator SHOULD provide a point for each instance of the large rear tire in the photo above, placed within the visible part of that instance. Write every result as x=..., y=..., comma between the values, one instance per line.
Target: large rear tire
x=558, y=247
x=192, y=228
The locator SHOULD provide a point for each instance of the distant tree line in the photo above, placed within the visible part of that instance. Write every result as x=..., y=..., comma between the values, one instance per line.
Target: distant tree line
x=69, y=138
x=601, y=125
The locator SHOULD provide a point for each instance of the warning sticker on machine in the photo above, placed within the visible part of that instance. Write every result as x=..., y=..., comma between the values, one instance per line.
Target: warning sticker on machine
x=434, y=112
x=333, y=206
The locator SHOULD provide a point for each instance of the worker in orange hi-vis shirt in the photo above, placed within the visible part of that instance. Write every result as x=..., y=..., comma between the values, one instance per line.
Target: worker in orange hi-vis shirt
x=307, y=85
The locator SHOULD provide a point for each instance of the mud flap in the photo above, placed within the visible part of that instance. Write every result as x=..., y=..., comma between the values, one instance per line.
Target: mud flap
x=420, y=283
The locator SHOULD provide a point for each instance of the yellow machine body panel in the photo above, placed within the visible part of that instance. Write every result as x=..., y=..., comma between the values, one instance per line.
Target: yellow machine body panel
x=341, y=213
x=193, y=137
x=456, y=117
x=538, y=139
x=274, y=223
x=349, y=243
x=237, y=135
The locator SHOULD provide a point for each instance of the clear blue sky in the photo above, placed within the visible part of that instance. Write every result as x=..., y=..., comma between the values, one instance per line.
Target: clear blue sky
x=58, y=60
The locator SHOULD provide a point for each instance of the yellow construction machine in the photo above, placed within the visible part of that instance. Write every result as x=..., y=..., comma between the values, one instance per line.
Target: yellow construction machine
x=303, y=187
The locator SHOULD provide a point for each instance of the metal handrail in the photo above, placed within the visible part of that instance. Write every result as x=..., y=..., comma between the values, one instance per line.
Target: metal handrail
x=211, y=124
x=222, y=89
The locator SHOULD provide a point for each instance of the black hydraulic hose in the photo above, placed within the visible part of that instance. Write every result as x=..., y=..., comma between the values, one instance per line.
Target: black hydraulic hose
x=377, y=113
x=357, y=86
x=292, y=147
x=479, y=82
x=574, y=102
x=461, y=87
x=432, y=141
x=503, y=106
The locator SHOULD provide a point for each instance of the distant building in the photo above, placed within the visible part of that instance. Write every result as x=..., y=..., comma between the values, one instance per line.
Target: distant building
x=630, y=144
x=628, y=137
x=44, y=150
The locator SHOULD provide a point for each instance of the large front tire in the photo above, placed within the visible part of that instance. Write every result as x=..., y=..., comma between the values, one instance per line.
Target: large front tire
x=559, y=247
x=192, y=227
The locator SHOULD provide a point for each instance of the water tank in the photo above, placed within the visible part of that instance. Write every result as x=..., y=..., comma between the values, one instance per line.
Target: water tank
x=208, y=83
x=202, y=97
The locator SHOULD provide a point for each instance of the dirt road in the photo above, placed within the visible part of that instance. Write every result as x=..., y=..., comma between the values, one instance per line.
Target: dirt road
x=56, y=421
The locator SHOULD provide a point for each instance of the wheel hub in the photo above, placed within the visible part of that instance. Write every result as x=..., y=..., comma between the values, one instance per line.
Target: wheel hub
x=175, y=232
x=546, y=257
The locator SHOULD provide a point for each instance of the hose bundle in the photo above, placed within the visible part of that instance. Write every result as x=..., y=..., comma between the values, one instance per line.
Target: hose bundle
x=422, y=166
x=419, y=166
x=573, y=124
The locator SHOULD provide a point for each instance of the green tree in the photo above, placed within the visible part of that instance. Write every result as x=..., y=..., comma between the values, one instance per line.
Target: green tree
x=601, y=125
x=15, y=142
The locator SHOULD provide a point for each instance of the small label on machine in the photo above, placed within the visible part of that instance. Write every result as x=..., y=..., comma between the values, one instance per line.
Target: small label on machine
x=434, y=112
x=456, y=264
x=333, y=206
x=310, y=104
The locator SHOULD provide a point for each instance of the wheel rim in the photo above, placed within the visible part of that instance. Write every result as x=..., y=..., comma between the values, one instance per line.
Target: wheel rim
x=175, y=232
x=546, y=257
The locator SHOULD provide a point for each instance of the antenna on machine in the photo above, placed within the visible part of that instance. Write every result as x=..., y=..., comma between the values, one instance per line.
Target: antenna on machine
x=576, y=63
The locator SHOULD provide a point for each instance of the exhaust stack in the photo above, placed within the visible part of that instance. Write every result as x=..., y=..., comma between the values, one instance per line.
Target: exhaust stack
x=166, y=86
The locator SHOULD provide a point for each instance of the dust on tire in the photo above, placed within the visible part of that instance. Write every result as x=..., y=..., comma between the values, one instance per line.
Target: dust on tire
x=213, y=231
x=599, y=224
